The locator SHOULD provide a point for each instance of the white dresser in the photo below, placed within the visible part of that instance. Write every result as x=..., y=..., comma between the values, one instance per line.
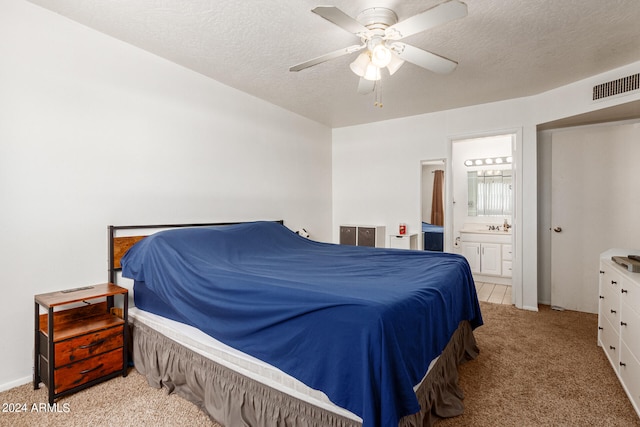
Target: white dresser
x=619, y=321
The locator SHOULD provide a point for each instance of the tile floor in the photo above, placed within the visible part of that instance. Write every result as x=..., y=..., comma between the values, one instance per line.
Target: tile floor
x=491, y=292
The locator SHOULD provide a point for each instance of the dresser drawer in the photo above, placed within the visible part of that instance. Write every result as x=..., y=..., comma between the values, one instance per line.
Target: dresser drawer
x=609, y=298
x=630, y=374
x=630, y=328
x=630, y=294
x=86, y=370
x=611, y=281
x=611, y=310
x=610, y=342
x=610, y=302
x=88, y=345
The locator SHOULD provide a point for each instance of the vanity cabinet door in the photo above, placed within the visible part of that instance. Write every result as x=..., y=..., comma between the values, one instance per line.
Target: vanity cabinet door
x=491, y=259
x=471, y=252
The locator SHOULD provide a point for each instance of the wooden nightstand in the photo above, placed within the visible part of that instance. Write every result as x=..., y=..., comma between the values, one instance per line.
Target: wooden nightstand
x=77, y=347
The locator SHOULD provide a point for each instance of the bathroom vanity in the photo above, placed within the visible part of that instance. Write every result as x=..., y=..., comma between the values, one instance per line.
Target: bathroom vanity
x=489, y=253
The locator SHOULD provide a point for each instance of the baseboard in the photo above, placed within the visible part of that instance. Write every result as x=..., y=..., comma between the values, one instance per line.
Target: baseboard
x=16, y=383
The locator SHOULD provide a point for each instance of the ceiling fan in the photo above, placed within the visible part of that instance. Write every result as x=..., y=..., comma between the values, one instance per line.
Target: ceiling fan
x=380, y=34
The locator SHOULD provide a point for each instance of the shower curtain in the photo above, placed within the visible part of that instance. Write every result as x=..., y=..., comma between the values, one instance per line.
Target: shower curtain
x=437, y=202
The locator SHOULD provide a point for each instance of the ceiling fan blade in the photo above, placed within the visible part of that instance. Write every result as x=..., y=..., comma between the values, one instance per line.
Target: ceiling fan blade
x=366, y=86
x=326, y=57
x=424, y=59
x=430, y=18
x=341, y=19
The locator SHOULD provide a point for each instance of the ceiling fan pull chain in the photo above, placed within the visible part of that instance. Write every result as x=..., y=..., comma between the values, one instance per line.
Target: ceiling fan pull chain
x=375, y=94
x=378, y=87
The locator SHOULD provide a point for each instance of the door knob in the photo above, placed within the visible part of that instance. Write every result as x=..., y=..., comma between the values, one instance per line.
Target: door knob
x=557, y=229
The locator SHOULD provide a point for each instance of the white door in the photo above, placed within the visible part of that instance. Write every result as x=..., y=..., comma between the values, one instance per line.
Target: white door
x=591, y=207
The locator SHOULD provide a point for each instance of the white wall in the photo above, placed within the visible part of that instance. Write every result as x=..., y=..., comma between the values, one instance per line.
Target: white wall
x=376, y=166
x=96, y=132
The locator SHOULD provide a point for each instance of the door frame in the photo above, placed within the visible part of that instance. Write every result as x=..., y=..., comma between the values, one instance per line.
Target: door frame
x=516, y=154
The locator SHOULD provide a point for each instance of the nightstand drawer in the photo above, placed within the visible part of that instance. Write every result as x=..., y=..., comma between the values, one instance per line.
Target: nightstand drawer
x=86, y=370
x=84, y=346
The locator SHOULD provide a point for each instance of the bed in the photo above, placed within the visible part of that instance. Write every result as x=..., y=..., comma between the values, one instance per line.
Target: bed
x=432, y=237
x=255, y=323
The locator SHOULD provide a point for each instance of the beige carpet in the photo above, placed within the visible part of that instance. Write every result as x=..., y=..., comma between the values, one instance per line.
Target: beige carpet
x=534, y=369
x=540, y=369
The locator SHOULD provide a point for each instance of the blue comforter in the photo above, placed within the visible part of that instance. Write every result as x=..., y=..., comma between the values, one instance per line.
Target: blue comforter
x=360, y=324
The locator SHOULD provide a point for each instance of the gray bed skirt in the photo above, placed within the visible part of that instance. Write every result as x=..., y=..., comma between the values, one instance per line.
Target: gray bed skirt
x=233, y=399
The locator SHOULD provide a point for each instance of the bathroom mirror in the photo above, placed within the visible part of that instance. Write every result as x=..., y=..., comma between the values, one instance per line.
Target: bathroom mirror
x=489, y=192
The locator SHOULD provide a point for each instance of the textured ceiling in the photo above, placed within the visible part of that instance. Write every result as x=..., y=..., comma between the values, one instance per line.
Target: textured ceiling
x=505, y=49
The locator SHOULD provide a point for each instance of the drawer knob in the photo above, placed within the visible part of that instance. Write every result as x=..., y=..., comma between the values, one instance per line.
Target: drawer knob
x=623, y=323
x=613, y=311
x=601, y=297
x=613, y=282
x=600, y=328
x=623, y=364
x=624, y=291
x=601, y=272
x=612, y=347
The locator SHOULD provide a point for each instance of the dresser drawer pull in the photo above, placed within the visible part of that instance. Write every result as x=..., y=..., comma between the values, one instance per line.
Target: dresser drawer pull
x=600, y=328
x=612, y=347
x=623, y=364
x=613, y=311
x=623, y=323
x=86, y=371
x=93, y=344
x=613, y=282
x=601, y=297
x=624, y=291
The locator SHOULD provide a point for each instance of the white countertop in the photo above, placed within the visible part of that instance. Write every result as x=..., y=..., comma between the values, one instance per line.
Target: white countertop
x=478, y=231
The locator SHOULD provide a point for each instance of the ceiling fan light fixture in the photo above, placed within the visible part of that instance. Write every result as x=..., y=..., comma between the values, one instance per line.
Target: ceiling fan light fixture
x=394, y=64
x=372, y=73
x=379, y=31
x=359, y=66
x=380, y=56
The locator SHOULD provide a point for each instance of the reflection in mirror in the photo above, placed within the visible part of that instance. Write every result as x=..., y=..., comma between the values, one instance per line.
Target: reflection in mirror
x=489, y=193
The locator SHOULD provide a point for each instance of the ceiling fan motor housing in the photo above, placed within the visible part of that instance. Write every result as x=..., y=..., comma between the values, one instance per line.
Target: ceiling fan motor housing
x=377, y=19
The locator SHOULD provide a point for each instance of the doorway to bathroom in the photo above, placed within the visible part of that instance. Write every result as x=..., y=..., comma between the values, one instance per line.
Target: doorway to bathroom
x=483, y=195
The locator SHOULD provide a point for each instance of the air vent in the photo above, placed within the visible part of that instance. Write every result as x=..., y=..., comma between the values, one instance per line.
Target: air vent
x=617, y=87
